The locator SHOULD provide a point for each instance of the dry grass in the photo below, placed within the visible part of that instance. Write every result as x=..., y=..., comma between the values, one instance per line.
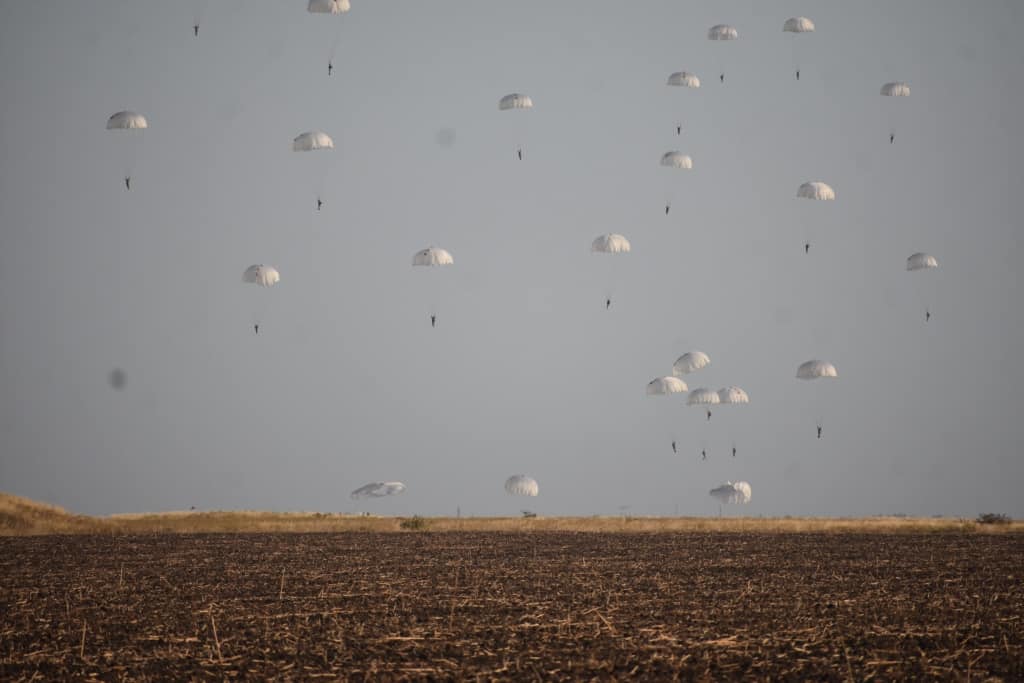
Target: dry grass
x=23, y=517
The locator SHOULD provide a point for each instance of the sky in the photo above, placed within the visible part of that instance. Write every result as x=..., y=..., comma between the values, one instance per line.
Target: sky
x=526, y=371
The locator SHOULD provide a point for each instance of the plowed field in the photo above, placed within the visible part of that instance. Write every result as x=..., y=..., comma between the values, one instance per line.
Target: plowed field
x=528, y=606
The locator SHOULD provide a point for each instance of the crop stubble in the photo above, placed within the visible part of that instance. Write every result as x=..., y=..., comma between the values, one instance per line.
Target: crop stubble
x=548, y=605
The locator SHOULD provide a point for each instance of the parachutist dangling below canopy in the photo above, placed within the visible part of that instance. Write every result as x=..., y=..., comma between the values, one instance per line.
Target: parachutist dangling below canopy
x=195, y=30
x=433, y=321
x=674, y=447
x=128, y=182
x=330, y=68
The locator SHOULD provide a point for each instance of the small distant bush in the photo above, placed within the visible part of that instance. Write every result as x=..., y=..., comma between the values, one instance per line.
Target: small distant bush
x=993, y=518
x=416, y=523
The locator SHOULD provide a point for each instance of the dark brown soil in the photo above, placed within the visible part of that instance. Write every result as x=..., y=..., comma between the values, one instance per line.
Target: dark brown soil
x=539, y=606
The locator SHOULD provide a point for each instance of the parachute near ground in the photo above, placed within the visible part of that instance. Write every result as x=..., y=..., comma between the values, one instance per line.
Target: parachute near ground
x=895, y=89
x=816, y=369
x=663, y=386
x=722, y=32
x=259, y=274
x=610, y=244
x=521, y=485
x=378, y=489
x=432, y=256
x=311, y=141
x=676, y=160
x=515, y=101
x=731, y=493
x=921, y=261
x=127, y=120
x=684, y=79
x=328, y=6
x=732, y=396
x=815, y=189
x=691, y=361
x=798, y=25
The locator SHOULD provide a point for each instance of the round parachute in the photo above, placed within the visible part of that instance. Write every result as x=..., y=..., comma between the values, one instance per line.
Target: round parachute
x=921, y=261
x=737, y=493
x=521, y=485
x=676, y=160
x=663, y=386
x=311, y=141
x=432, y=256
x=691, y=361
x=378, y=489
x=816, y=369
x=684, y=79
x=896, y=89
x=127, y=120
x=732, y=396
x=610, y=244
x=328, y=6
x=703, y=397
x=816, y=189
x=515, y=101
x=722, y=32
x=259, y=274
x=798, y=25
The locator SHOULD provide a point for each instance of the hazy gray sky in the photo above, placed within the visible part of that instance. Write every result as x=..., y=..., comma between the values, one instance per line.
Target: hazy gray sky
x=526, y=372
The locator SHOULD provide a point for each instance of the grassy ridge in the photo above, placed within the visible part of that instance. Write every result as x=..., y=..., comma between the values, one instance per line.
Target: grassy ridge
x=24, y=517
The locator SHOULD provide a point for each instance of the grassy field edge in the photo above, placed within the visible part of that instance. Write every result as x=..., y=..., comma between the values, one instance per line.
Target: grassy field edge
x=25, y=517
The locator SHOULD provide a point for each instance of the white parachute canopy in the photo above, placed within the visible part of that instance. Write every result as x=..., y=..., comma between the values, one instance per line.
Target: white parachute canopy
x=521, y=485
x=896, y=89
x=703, y=397
x=378, y=489
x=259, y=274
x=515, y=101
x=691, y=361
x=684, y=79
x=815, y=189
x=127, y=120
x=432, y=256
x=328, y=6
x=676, y=160
x=816, y=369
x=610, y=244
x=921, y=261
x=732, y=396
x=663, y=386
x=311, y=141
x=722, y=32
x=737, y=493
x=798, y=25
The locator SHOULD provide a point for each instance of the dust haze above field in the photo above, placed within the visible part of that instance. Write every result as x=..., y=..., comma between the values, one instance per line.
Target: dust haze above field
x=131, y=378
